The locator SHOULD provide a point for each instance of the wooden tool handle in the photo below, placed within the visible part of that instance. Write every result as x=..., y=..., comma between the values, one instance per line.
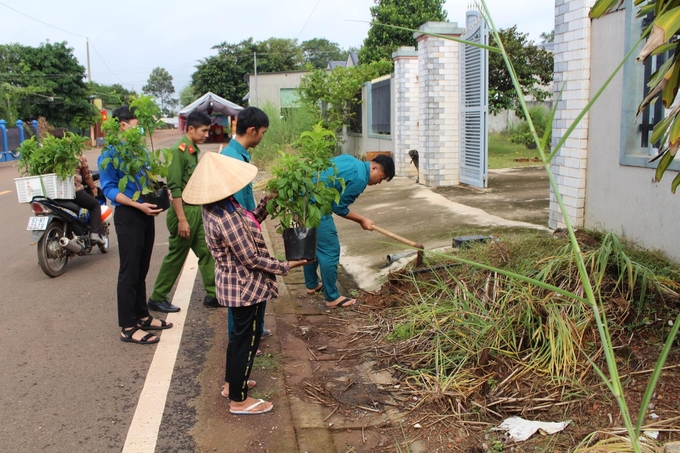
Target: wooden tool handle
x=396, y=237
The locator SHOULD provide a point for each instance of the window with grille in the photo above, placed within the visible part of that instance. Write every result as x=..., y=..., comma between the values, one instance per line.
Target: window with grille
x=636, y=130
x=381, y=107
x=654, y=112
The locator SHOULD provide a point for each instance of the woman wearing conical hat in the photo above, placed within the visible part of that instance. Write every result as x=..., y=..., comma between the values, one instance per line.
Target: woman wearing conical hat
x=245, y=272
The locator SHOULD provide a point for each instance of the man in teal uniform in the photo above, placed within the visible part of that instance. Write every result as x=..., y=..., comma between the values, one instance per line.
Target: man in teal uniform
x=357, y=175
x=185, y=222
x=251, y=125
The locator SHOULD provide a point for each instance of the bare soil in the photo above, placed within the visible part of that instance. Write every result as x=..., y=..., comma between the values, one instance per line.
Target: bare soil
x=348, y=348
x=371, y=406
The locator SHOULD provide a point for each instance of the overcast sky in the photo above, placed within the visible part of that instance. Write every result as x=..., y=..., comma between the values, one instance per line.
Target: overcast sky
x=130, y=38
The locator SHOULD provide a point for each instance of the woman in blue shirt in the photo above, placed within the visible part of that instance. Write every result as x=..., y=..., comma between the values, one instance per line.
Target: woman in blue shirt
x=135, y=229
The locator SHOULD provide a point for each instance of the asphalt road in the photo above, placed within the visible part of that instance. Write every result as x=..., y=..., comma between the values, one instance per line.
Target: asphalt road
x=67, y=384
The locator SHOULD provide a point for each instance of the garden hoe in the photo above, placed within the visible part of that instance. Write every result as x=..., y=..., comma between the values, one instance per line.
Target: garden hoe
x=419, y=257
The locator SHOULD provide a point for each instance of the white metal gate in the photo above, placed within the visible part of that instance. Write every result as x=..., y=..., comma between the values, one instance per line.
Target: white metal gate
x=474, y=102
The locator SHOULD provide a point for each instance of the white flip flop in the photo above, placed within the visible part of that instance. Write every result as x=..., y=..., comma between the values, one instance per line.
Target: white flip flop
x=248, y=411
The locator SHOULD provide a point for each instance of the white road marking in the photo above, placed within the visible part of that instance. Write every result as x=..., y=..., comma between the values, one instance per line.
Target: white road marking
x=143, y=432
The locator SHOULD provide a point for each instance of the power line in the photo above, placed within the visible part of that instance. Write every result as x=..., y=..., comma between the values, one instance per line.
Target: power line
x=69, y=32
x=44, y=23
x=107, y=66
x=310, y=16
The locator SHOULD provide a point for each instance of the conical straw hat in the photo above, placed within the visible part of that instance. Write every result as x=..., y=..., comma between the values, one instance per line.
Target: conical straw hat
x=217, y=177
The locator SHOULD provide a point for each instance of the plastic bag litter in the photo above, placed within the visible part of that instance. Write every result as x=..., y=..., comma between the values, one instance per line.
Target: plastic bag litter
x=520, y=430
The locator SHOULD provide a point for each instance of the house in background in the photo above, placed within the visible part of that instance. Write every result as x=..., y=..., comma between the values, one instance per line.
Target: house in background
x=352, y=60
x=279, y=89
x=603, y=169
x=274, y=89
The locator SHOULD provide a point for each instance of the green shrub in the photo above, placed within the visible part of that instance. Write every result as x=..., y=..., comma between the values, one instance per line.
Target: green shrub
x=53, y=155
x=304, y=197
x=520, y=133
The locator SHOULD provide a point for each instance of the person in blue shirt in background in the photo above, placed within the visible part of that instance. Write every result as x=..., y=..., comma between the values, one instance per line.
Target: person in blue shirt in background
x=357, y=175
x=251, y=125
x=135, y=229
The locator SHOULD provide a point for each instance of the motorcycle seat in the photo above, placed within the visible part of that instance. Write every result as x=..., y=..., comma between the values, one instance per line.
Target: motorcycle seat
x=68, y=204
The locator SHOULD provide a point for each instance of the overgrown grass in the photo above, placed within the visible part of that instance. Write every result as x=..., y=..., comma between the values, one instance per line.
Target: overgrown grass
x=504, y=154
x=465, y=327
x=282, y=132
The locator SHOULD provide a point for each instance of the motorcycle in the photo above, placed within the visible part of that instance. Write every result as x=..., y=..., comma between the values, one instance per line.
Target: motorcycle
x=61, y=230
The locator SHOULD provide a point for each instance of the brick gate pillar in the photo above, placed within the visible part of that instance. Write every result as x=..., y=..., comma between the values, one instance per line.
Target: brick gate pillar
x=405, y=96
x=439, y=111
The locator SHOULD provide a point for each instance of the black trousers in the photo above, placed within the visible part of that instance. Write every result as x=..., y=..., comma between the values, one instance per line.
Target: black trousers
x=136, y=234
x=87, y=201
x=243, y=344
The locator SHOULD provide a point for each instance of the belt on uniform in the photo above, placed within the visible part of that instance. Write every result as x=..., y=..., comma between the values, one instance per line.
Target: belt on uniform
x=184, y=203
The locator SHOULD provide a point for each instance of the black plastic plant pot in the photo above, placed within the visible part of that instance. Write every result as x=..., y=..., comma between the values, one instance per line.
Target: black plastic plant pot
x=300, y=243
x=160, y=197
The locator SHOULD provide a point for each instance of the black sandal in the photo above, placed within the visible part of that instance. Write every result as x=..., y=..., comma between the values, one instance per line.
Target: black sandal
x=146, y=325
x=127, y=337
x=344, y=303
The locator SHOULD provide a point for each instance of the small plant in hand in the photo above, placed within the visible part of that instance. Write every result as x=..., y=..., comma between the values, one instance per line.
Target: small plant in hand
x=133, y=156
x=53, y=155
x=305, y=184
x=303, y=198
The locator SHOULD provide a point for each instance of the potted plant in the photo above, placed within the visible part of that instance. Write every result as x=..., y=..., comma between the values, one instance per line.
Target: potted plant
x=133, y=156
x=306, y=192
x=48, y=166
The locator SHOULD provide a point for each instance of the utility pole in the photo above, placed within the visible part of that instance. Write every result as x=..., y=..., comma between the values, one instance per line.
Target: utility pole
x=255, y=63
x=89, y=73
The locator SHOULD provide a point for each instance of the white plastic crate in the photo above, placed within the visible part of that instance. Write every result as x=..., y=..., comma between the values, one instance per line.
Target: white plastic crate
x=49, y=185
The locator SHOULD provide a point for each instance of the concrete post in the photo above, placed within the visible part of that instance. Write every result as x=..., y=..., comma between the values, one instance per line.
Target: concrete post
x=405, y=107
x=439, y=110
x=20, y=126
x=3, y=137
x=572, y=72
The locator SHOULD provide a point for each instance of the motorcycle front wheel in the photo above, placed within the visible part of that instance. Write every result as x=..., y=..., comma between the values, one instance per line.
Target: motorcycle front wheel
x=51, y=256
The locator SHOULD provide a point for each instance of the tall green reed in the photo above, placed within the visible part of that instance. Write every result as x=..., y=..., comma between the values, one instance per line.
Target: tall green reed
x=612, y=380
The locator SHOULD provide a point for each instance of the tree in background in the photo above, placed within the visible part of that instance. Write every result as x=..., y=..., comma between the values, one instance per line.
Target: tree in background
x=548, y=37
x=278, y=54
x=318, y=52
x=112, y=96
x=160, y=87
x=338, y=91
x=45, y=81
x=381, y=42
x=223, y=73
x=187, y=95
x=534, y=68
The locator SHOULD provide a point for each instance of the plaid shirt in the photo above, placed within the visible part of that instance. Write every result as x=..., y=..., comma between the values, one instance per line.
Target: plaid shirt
x=245, y=273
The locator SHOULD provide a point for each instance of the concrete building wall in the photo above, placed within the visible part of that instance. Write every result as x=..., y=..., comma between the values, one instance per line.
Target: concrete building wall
x=620, y=198
x=266, y=88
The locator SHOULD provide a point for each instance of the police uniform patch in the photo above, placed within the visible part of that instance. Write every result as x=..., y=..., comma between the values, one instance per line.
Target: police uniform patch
x=182, y=146
x=191, y=149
